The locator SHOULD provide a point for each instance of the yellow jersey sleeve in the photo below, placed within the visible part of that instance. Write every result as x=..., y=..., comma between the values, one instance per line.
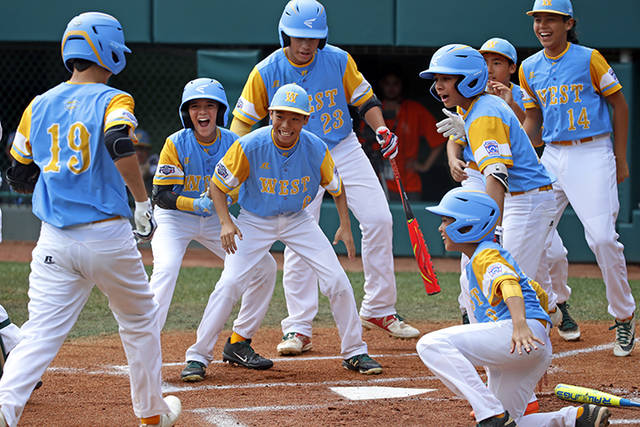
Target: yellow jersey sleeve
x=603, y=79
x=254, y=102
x=528, y=96
x=120, y=111
x=169, y=170
x=232, y=170
x=490, y=142
x=356, y=88
x=21, y=146
x=490, y=270
x=329, y=178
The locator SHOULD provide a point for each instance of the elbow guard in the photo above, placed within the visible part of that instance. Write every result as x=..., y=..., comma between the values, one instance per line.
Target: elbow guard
x=118, y=142
x=500, y=172
x=369, y=104
x=163, y=196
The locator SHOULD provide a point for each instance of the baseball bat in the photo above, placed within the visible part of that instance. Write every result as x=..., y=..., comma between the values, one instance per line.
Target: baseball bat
x=575, y=393
x=420, y=250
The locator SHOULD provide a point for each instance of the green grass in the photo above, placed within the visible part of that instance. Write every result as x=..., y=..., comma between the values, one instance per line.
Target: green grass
x=588, y=301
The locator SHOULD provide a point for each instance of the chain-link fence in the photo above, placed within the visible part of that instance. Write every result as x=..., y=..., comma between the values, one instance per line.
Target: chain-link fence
x=154, y=76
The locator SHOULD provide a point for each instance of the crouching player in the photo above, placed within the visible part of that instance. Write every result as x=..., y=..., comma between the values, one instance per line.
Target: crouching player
x=280, y=168
x=511, y=338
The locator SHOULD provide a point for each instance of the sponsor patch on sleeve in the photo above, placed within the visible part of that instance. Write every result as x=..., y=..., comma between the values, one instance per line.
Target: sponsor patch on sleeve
x=492, y=148
x=222, y=171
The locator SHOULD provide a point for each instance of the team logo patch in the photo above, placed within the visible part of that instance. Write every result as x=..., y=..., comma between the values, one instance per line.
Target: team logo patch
x=492, y=147
x=612, y=74
x=128, y=116
x=239, y=104
x=496, y=270
x=166, y=169
x=222, y=170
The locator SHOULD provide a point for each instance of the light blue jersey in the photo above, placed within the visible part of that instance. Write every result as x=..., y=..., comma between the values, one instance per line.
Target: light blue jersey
x=276, y=181
x=516, y=92
x=188, y=164
x=489, y=266
x=62, y=131
x=569, y=90
x=331, y=79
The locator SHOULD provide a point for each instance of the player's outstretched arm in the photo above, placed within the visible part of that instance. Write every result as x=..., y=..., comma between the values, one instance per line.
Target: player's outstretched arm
x=456, y=165
x=344, y=230
x=620, y=132
x=228, y=229
x=522, y=338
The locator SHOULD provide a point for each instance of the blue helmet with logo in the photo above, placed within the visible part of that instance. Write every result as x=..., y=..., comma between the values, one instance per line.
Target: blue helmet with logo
x=501, y=47
x=291, y=97
x=474, y=212
x=305, y=19
x=95, y=37
x=204, y=88
x=560, y=7
x=460, y=60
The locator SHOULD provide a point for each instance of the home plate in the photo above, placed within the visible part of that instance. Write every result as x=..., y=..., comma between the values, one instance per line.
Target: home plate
x=377, y=392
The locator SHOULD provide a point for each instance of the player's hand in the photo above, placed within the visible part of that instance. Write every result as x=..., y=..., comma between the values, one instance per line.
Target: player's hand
x=523, y=339
x=344, y=235
x=497, y=235
x=228, y=233
x=453, y=125
x=145, y=224
x=457, y=167
x=501, y=90
x=203, y=206
x=388, y=142
x=622, y=170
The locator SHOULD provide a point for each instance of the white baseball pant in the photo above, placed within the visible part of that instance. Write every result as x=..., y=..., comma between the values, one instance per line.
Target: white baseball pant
x=453, y=354
x=175, y=231
x=301, y=233
x=554, y=267
x=65, y=266
x=586, y=178
x=367, y=202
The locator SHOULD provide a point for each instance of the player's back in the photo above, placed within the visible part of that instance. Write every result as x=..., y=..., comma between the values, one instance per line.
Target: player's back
x=79, y=182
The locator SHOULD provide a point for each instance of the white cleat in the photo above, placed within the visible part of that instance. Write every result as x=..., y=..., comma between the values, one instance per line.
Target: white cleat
x=168, y=420
x=392, y=324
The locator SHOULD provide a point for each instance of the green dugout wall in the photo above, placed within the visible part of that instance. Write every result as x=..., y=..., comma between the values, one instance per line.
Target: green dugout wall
x=230, y=37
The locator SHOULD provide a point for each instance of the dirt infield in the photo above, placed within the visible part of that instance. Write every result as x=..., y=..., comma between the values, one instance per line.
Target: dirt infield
x=87, y=381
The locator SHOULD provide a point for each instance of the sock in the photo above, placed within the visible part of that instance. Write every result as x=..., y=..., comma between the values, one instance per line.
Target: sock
x=236, y=338
x=580, y=411
x=150, y=420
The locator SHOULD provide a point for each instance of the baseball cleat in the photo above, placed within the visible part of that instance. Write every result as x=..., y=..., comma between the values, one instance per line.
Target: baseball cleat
x=242, y=354
x=393, y=324
x=625, y=336
x=568, y=328
x=593, y=416
x=363, y=364
x=503, y=420
x=166, y=420
x=194, y=371
x=294, y=344
x=532, y=408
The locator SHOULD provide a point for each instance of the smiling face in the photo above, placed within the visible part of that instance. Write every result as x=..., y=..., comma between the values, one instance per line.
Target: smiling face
x=301, y=51
x=500, y=68
x=551, y=30
x=448, y=244
x=447, y=91
x=203, y=114
x=287, y=126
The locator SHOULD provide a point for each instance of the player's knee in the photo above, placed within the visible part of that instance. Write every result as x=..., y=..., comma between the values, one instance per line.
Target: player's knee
x=335, y=283
x=603, y=242
x=429, y=344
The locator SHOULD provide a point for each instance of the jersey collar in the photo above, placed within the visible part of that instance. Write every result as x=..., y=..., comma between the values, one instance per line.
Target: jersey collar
x=555, y=58
x=208, y=144
x=286, y=152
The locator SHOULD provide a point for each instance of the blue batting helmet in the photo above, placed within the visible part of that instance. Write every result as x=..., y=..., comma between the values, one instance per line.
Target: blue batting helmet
x=501, y=47
x=560, y=7
x=291, y=97
x=475, y=214
x=204, y=88
x=303, y=19
x=95, y=37
x=461, y=60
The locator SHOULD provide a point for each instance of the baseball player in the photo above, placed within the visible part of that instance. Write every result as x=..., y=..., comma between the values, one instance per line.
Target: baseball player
x=500, y=150
x=279, y=169
x=73, y=150
x=184, y=213
x=333, y=82
x=510, y=338
x=567, y=89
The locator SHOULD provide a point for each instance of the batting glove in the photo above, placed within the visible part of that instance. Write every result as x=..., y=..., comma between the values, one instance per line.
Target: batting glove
x=452, y=125
x=203, y=206
x=388, y=142
x=145, y=224
x=497, y=235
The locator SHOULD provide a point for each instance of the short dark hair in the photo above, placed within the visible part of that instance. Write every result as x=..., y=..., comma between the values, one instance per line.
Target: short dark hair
x=79, y=64
x=572, y=35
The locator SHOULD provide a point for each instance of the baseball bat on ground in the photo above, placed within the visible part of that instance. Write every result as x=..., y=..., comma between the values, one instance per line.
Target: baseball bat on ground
x=420, y=250
x=588, y=395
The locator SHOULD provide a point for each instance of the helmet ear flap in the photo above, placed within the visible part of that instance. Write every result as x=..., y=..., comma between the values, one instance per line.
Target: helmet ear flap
x=433, y=92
